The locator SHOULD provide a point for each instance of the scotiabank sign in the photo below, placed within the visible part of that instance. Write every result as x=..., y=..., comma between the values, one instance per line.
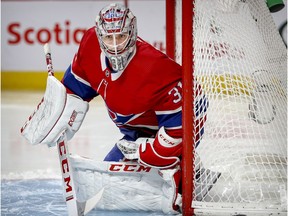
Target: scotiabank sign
x=59, y=33
x=27, y=25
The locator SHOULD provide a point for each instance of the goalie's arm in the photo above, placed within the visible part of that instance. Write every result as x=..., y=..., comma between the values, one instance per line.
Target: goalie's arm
x=164, y=151
x=75, y=82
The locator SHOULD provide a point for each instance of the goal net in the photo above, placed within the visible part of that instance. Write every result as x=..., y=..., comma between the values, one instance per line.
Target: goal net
x=240, y=61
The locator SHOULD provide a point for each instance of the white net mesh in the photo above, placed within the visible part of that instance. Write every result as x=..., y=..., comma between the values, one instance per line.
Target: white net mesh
x=240, y=61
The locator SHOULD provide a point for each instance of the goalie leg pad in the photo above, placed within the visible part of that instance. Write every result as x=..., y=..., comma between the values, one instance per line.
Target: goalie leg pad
x=127, y=186
x=172, y=200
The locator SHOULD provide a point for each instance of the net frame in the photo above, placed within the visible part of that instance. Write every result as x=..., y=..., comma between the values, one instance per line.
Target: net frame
x=188, y=101
x=185, y=60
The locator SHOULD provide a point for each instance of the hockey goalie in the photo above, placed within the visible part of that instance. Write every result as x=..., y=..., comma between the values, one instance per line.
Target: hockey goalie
x=142, y=90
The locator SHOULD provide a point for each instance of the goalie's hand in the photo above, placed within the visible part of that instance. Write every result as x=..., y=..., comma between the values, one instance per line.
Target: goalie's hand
x=130, y=149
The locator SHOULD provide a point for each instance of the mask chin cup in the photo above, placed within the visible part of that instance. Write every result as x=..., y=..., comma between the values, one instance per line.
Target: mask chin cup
x=120, y=61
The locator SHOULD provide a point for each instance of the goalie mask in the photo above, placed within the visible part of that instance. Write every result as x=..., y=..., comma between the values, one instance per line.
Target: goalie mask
x=117, y=34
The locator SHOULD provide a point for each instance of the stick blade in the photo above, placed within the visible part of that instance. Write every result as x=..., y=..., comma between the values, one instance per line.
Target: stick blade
x=83, y=208
x=91, y=203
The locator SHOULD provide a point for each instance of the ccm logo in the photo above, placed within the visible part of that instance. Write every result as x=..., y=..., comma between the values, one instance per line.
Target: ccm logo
x=65, y=170
x=166, y=140
x=128, y=168
x=72, y=118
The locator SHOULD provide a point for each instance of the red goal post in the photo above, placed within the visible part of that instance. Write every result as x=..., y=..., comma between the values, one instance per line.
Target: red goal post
x=187, y=64
x=233, y=50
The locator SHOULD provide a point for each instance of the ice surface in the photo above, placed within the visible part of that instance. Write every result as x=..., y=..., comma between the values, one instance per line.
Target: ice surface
x=43, y=197
x=32, y=197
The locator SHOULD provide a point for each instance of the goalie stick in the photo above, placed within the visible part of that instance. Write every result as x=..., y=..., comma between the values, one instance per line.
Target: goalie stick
x=74, y=207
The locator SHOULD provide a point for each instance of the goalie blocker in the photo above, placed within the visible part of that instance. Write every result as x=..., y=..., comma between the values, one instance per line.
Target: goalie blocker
x=57, y=112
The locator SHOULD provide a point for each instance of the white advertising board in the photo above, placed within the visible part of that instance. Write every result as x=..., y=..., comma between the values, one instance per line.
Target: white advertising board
x=27, y=25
